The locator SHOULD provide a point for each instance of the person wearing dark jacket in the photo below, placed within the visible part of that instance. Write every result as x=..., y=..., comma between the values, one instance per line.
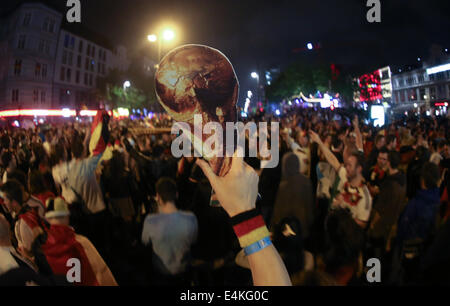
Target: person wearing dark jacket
x=419, y=217
x=388, y=205
x=294, y=196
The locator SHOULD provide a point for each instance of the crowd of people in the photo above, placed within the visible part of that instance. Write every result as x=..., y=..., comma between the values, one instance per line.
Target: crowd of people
x=343, y=192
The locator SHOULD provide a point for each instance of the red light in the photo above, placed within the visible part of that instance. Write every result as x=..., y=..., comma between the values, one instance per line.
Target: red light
x=45, y=113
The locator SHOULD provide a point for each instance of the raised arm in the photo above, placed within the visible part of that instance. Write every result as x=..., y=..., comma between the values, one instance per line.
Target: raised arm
x=237, y=192
x=329, y=156
x=359, y=139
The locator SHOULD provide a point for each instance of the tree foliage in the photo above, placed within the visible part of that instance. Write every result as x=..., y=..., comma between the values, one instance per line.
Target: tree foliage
x=141, y=93
x=309, y=78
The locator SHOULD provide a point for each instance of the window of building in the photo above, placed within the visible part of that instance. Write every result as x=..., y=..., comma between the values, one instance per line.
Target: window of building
x=69, y=74
x=66, y=41
x=63, y=96
x=79, y=61
x=441, y=91
x=35, y=95
x=51, y=25
x=421, y=78
x=103, y=68
x=432, y=77
x=41, y=46
x=17, y=67
x=86, y=64
x=63, y=74
x=99, y=54
x=47, y=47
x=64, y=57
x=37, y=70
x=99, y=67
x=77, y=77
x=15, y=95
x=90, y=80
x=21, y=44
x=42, y=96
x=92, y=65
x=85, y=78
x=433, y=93
x=72, y=43
x=46, y=24
x=402, y=95
x=27, y=19
x=88, y=51
x=104, y=56
x=44, y=70
x=413, y=95
x=93, y=51
x=422, y=94
x=80, y=46
x=70, y=58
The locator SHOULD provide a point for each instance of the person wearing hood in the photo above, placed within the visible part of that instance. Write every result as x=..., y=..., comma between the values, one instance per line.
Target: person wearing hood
x=388, y=205
x=63, y=243
x=295, y=195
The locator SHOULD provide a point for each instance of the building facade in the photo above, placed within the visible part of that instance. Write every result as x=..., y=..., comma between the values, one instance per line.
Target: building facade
x=427, y=86
x=43, y=64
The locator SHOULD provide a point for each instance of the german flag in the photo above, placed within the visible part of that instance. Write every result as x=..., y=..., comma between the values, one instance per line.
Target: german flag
x=99, y=133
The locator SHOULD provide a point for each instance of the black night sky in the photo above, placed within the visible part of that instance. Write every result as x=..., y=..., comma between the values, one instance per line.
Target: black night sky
x=266, y=33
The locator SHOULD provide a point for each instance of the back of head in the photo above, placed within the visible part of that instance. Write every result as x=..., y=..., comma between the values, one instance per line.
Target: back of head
x=76, y=146
x=13, y=190
x=422, y=154
x=291, y=164
x=390, y=139
x=344, y=240
x=166, y=188
x=20, y=177
x=429, y=174
x=394, y=159
x=36, y=182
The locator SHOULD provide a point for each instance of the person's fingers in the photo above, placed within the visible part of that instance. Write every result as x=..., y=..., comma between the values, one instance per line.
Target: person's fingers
x=209, y=173
x=237, y=162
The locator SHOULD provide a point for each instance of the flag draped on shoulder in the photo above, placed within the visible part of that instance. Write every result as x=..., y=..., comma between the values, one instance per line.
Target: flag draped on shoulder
x=99, y=133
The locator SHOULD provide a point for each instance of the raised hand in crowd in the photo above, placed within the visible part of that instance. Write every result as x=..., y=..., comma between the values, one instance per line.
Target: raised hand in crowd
x=237, y=192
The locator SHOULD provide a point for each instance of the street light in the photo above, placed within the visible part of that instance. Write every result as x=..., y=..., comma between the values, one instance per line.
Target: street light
x=166, y=35
x=310, y=46
x=256, y=76
x=152, y=38
x=126, y=84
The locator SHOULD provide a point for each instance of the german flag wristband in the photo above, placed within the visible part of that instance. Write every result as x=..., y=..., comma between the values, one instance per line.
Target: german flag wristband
x=249, y=227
